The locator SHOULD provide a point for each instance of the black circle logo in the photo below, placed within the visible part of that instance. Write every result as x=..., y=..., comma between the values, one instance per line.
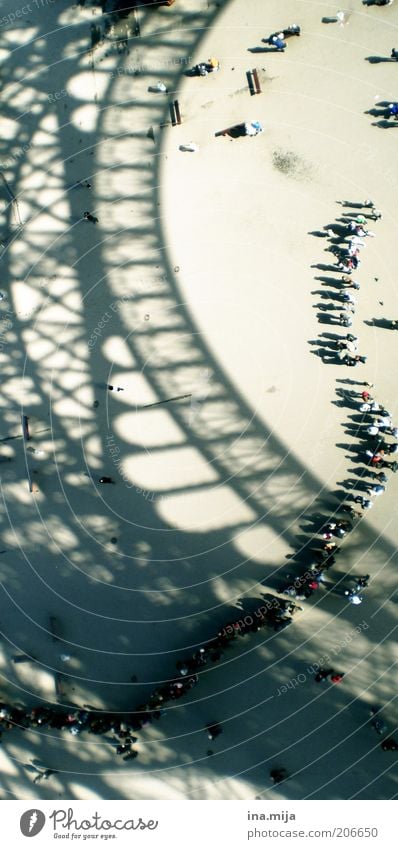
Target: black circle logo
x=32, y=822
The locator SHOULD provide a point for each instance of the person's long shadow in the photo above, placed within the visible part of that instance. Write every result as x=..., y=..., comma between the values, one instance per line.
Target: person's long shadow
x=333, y=337
x=376, y=60
x=352, y=483
x=235, y=132
x=339, y=494
x=323, y=343
x=338, y=228
x=314, y=522
x=348, y=403
x=259, y=49
x=375, y=111
x=385, y=125
x=335, y=242
x=338, y=402
x=359, y=418
x=362, y=472
x=327, y=348
x=327, y=318
x=350, y=381
x=383, y=323
x=353, y=204
x=320, y=352
x=323, y=267
x=352, y=430
x=329, y=359
x=331, y=296
x=324, y=307
x=331, y=281
x=348, y=446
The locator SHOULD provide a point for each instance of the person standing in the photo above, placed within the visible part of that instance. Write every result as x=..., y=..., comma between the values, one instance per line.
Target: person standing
x=377, y=490
x=80, y=184
x=348, y=283
x=379, y=476
x=322, y=675
x=337, y=677
x=375, y=457
x=365, y=503
x=88, y=216
x=213, y=730
x=389, y=745
x=44, y=775
x=279, y=774
x=277, y=41
x=362, y=582
x=373, y=430
x=352, y=597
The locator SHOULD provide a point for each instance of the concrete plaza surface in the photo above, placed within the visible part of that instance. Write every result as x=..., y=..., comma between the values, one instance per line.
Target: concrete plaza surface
x=198, y=283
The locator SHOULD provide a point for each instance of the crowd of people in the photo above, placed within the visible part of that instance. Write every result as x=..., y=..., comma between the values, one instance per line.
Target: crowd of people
x=373, y=426
x=276, y=615
x=346, y=236
x=278, y=40
x=371, y=422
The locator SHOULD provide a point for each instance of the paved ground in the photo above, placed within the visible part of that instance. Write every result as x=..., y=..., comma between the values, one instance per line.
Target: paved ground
x=197, y=280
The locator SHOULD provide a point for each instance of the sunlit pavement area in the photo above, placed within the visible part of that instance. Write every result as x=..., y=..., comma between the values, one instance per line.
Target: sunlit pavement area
x=194, y=292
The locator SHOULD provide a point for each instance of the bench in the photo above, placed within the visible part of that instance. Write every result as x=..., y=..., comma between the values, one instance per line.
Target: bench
x=59, y=685
x=25, y=428
x=250, y=82
x=173, y=114
x=256, y=81
x=253, y=81
x=177, y=112
x=55, y=629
